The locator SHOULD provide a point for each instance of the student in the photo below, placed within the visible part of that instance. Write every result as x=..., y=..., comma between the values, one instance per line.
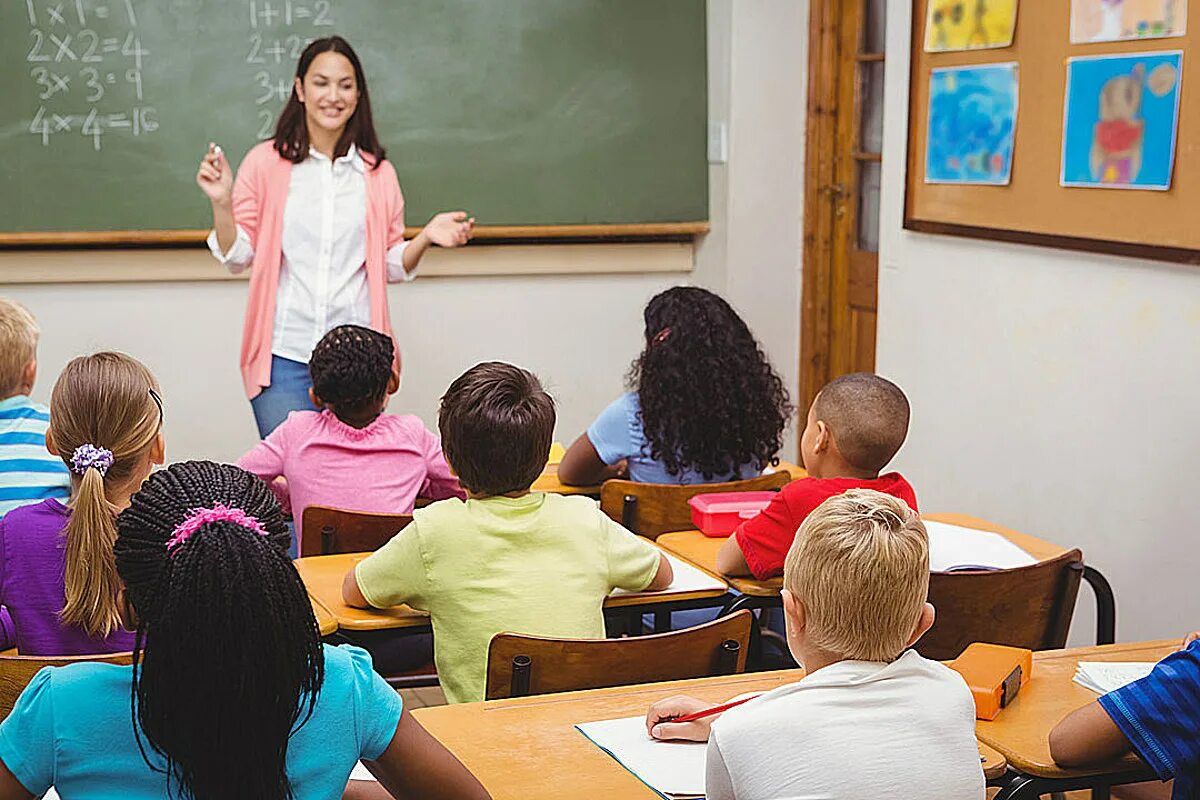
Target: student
x=231, y=693
x=855, y=426
x=27, y=472
x=351, y=454
x=704, y=404
x=507, y=559
x=106, y=426
x=1158, y=717
x=870, y=718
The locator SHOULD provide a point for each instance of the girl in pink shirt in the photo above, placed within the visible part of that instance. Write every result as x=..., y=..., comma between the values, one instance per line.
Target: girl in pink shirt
x=350, y=454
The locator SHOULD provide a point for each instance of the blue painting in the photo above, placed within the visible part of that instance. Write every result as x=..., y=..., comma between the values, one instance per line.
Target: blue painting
x=1120, y=120
x=972, y=124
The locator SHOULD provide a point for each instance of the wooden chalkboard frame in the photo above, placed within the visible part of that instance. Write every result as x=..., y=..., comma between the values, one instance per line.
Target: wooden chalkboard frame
x=919, y=69
x=495, y=234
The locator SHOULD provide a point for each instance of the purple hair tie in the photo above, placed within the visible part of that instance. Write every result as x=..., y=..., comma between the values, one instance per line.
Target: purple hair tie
x=198, y=517
x=87, y=456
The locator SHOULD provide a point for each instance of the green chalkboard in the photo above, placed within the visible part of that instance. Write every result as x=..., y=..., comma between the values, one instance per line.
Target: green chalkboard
x=523, y=112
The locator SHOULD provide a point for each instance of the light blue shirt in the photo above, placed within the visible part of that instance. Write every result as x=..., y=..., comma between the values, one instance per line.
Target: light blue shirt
x=29, y=473
x=71, y=728
x=618, y=434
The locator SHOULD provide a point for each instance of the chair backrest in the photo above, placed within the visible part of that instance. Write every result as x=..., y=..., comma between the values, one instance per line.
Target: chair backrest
x=651, y=509
x=17, y=671
x=326, y=530
x=1025, y=607
x=521, y=665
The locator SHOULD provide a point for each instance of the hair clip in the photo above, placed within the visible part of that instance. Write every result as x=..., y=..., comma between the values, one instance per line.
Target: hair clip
x=158, y=402
x=662, y=335
x=88, y=456
x=199, y=517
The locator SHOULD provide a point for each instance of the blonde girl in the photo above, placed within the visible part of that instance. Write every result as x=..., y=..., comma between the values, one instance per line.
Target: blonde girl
x=57, y=573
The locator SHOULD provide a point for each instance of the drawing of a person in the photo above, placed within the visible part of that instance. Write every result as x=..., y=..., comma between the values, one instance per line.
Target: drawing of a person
x=1111, y=21
x=1116, y=156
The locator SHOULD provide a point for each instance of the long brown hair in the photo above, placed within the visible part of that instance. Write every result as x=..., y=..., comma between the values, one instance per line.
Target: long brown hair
x=110, y=401
x=291, y=132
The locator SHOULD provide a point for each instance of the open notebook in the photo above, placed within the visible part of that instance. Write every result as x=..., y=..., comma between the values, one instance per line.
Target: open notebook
x=953, y=547
x=673, y=769
x=687, y=579
x=1103, y=677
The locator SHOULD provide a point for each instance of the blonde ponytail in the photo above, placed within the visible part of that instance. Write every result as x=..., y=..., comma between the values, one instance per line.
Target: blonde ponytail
x=90, y=577
x=106, y=404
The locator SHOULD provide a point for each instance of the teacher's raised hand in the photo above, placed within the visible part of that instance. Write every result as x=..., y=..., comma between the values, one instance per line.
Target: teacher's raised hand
x=214, y=177
x=450, y=229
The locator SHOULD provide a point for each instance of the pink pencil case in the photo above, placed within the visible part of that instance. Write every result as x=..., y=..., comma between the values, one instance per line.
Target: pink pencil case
x=720, y=513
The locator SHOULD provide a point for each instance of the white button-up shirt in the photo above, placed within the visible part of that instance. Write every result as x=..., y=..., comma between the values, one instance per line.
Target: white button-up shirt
x=322, y=275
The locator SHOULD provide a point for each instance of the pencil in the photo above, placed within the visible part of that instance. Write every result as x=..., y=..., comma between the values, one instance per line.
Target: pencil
x=708, y=712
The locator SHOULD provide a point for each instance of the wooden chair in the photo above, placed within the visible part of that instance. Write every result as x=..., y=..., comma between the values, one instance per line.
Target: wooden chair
x=1024, y=607
x=523, y=665
x=17, y=671
x=326, y=530
x=651, y=509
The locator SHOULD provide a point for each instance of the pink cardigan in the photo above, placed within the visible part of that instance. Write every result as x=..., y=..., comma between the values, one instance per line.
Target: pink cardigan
x=259, y=198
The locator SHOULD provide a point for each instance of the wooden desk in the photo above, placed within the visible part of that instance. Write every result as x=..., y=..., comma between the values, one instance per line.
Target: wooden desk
x=701, y=550
x=323, y=575
x=1021, y=732
x=549, y=482
x=528, y=747
x=326, y=623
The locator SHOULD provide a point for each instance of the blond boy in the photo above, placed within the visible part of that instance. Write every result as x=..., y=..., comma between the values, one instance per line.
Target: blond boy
x=28, y=472
x=870, y=718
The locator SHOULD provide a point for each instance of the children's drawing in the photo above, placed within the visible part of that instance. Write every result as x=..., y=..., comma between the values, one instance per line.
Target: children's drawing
x=972, y=124
x=1120, y=120
x=1118, y=20
x=969, y=24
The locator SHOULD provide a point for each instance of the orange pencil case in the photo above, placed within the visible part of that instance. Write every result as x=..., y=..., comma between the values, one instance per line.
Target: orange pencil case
x=994, y=673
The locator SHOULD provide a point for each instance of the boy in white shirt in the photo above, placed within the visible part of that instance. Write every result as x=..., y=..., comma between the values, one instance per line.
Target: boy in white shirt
x=870, y=718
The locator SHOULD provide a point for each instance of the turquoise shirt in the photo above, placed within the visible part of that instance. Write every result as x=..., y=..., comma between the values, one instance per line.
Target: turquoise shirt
x=71, y=729
x=28, y=472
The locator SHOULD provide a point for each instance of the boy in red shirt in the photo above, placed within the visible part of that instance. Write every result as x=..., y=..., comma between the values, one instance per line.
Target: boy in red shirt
x=855, y=426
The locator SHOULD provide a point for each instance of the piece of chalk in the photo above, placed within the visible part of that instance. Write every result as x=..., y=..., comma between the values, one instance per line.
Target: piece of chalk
x=217, y=150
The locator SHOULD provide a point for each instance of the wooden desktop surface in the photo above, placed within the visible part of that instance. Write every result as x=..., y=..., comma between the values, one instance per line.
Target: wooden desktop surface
x=326, y=622
x=701, y=550
x=323, y=576
x=1021, y=732
x=528, y=747
x=548, y=481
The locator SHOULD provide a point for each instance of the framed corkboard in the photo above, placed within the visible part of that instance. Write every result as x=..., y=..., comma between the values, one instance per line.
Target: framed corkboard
x=1033, y=208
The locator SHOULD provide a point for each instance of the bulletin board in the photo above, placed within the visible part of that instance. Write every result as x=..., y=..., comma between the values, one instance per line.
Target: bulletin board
x=1034, y=208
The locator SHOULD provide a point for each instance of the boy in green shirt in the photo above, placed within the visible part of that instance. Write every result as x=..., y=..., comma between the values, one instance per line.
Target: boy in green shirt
x=507, y=559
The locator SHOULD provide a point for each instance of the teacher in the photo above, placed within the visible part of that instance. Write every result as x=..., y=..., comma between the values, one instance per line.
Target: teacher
x=317, y=214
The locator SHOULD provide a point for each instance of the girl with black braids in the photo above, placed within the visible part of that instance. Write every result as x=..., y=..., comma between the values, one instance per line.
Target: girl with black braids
x=704, y=404
x=350, y=454
x=231, y=693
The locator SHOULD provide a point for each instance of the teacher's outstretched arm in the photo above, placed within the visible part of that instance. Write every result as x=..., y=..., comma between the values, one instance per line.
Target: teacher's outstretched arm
x=448, y=229
x=215, y=178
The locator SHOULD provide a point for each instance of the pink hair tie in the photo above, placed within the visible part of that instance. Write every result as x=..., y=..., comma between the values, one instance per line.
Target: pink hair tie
x=198, y=517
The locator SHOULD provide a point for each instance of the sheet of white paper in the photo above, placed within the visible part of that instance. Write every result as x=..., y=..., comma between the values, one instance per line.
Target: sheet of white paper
x=687, y=579
x=675, y=769
x=361, y=773
x=953, y=546
x=1103, y=677
x=50, y=795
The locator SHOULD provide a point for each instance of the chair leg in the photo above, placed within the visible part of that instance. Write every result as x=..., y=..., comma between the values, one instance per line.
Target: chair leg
x=1106, y=605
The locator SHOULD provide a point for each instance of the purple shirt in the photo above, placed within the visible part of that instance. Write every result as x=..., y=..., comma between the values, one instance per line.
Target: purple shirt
x=32, y=563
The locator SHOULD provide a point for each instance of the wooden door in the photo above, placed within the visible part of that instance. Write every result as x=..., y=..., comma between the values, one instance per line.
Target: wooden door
x=841, y=236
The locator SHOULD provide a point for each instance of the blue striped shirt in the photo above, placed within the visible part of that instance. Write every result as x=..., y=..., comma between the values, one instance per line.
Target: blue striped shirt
x=1160, y=715
x=28, y=472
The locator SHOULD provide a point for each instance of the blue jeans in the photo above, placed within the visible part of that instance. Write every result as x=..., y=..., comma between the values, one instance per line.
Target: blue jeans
x=288, y=392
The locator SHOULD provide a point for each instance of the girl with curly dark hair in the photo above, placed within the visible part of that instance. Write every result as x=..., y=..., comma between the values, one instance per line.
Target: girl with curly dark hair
x=704, y=404
x=231, y=693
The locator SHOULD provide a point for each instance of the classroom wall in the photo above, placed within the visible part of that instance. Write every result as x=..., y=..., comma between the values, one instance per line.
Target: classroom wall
x=579, y=332
x=1053, y=392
